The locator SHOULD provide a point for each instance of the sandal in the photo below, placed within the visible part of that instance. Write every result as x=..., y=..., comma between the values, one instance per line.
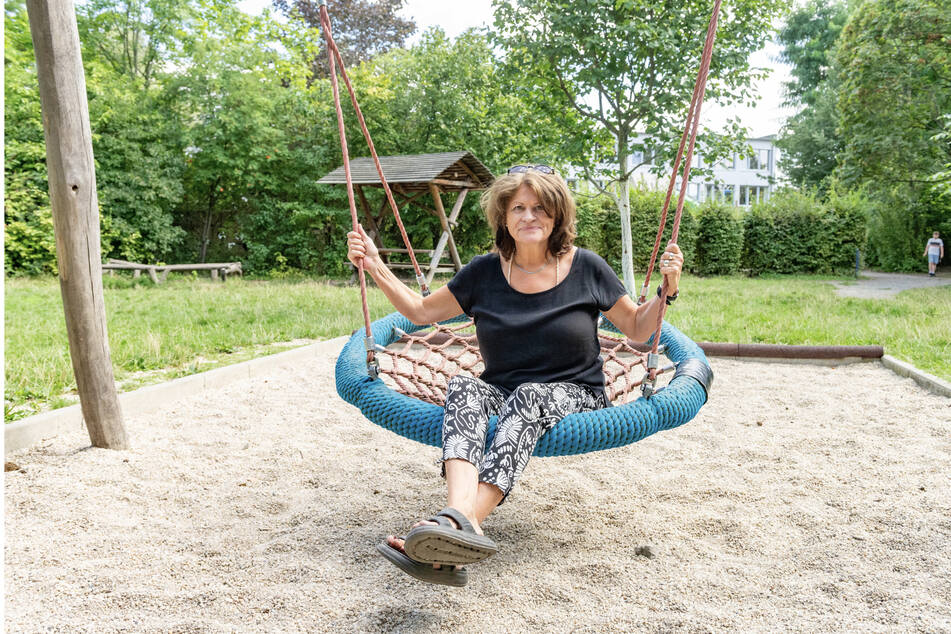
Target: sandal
x=446, y=576
x=446, y=544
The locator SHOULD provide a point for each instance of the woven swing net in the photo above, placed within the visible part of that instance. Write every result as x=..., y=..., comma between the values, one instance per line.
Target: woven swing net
x=420, y=365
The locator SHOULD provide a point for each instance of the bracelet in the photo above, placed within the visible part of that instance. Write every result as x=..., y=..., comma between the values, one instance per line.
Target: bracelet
x=670, y=298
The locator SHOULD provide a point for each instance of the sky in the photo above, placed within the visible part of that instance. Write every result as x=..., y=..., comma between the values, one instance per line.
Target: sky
x=766, y=117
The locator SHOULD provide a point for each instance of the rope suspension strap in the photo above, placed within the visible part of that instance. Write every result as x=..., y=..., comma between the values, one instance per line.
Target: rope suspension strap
x=690, y=130
x=372, y=367
x=334, y=53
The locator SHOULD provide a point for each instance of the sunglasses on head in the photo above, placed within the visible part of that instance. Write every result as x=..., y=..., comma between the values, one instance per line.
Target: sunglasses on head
x=518, y=169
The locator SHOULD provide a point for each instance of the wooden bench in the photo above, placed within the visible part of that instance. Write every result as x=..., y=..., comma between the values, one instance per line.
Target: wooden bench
x=158, y=273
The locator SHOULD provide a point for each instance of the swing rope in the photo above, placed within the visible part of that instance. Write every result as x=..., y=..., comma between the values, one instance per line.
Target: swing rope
x=333, y=56
x=690, y=128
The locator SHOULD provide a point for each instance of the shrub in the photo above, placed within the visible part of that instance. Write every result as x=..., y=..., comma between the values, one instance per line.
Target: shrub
x=901, y=222
x=796, y=232
x=596, y=225
x=847, y=225
x=719, y=239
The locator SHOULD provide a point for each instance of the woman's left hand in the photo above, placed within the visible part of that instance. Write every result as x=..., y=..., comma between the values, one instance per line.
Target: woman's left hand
x=671, y=263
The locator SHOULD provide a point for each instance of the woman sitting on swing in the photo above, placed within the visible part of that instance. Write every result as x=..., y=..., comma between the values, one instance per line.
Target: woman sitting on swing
x=535, y=301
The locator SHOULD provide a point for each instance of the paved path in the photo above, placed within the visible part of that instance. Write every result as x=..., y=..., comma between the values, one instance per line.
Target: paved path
x=875, y=285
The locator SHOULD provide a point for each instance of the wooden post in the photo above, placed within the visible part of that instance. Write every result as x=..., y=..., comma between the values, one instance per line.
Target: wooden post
x=72, y=189
x=441, y=245
x=373, y=229
x=441, y=212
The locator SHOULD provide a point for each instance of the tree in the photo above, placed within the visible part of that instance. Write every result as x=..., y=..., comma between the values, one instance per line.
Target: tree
x=896, y=88
x=362, y=29
x=809, y=38
x=134, y=37
x=441, y=95
x=226, y=101
x=942, y=178
x=138, y=157
x=616, y=77
x=29, y=245
x=129, y=47
x=895, y=61
x=139, y=167
x=810, y=140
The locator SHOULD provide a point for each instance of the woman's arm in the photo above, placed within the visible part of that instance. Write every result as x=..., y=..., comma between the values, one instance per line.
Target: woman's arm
x=638, y=323
x=440, y=305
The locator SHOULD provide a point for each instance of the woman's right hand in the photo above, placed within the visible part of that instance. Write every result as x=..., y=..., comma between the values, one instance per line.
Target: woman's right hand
x=361, y=249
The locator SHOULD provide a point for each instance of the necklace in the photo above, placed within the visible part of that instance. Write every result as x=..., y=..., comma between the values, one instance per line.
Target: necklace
x=544, y=266
x=512, y=261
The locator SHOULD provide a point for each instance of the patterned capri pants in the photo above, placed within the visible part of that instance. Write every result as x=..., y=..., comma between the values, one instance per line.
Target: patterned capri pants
x=527, y=413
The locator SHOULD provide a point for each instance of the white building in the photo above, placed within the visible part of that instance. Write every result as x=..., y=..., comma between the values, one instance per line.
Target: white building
x=741, y=180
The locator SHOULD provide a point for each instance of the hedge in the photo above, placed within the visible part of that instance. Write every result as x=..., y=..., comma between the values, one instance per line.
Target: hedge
x=719, y=239
x=599, y=228
x=796, y=232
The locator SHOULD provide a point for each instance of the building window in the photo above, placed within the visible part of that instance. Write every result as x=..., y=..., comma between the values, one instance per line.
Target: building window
x=760, y=159
x=720, y=193
x=728, y=162
x=728, y=194
x=751, y=194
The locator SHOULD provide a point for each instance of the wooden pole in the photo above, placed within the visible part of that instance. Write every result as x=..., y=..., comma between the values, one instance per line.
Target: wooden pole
x=72, y=189
x=374, y=229
x=444, y=238
x=447, y=230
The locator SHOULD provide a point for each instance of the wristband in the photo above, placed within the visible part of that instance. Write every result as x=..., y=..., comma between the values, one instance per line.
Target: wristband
x=670, y=298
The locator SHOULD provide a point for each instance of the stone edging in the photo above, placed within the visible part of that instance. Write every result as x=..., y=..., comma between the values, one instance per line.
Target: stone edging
x=33, y=429
x=928, y=381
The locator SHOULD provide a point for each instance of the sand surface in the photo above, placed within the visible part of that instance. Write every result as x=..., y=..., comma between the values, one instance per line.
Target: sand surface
x=802, y=498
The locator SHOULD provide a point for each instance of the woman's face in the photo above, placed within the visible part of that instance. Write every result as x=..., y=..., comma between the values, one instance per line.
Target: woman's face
x=527, y=220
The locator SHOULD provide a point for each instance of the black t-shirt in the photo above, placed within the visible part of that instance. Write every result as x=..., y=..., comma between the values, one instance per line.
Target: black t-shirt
x=545, y=337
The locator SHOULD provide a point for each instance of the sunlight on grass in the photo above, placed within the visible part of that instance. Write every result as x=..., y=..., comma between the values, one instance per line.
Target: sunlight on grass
x=189, y=325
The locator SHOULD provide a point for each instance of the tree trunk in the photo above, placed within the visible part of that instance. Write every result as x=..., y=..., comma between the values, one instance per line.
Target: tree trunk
x=206, y=226
x=624, y=208
x=72, y=189
x=205, y=237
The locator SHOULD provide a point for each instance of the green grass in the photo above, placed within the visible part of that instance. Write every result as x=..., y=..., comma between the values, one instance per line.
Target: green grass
x=913, y=326
x=157, y=333
x=189, y=325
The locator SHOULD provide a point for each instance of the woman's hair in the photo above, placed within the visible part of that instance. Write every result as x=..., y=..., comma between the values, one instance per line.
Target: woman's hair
x=553, y=193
